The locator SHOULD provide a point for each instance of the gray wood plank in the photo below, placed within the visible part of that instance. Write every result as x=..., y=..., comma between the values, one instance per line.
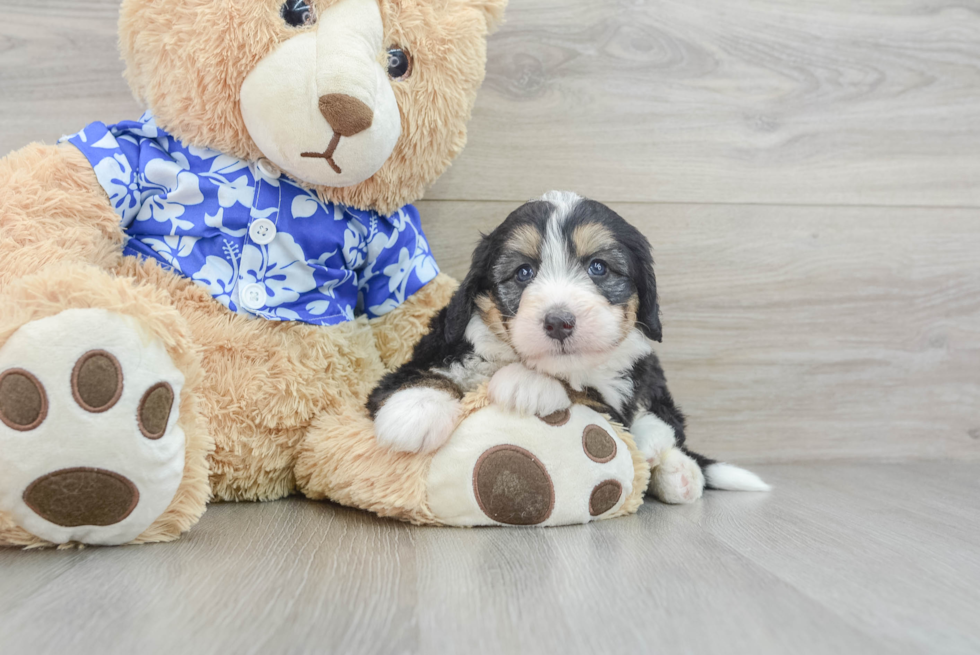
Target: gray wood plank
x=762, y=101
x=59, y=70
x=302, y=577
x=653, y=583
x=856, y=538
x=803, y=332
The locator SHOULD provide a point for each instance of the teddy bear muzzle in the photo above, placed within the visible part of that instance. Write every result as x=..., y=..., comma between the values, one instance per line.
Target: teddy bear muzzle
x=321, y=106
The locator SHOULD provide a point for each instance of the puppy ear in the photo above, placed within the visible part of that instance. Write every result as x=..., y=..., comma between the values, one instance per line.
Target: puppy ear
x=463, y=304
x=648, y=313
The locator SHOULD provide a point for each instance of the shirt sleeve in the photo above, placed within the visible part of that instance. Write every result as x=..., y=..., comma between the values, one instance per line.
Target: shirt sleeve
x=116, y=165
x=398, y=262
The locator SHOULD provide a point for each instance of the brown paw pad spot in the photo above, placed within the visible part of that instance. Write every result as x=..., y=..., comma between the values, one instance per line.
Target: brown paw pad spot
x=96, y=381
x=82, y=496
x=512, y=486
x=558, y=418
x=23, y=402
x=598, y=444
x=604, y=497
x=154, y=410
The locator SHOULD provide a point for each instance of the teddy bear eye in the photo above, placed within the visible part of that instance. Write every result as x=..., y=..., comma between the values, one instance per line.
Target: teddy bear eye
x=399, y=64
x=298, y=13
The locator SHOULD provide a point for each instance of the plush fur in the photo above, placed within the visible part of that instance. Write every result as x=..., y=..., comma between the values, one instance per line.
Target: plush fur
x=187, y=60
x=268, y=408
x=562, y=295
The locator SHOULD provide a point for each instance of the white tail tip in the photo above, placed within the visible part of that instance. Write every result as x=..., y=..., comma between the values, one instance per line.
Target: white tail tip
x=733, y=478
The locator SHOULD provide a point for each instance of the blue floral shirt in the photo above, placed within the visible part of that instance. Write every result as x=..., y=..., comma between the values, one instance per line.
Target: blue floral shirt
x=258, y=242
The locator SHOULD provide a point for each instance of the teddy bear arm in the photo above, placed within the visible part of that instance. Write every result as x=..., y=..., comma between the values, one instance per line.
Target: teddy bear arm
x=397, y=332
x=53, y=211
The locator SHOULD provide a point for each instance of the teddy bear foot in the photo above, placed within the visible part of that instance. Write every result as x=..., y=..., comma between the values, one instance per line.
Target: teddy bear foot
x=90, y=446
x=501, y=468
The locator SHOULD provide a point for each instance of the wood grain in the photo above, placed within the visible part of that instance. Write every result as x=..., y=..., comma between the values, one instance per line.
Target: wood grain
x=803, y=332
x=855, y=538
x=836, y=560
x=59, y=70
x=762, y=101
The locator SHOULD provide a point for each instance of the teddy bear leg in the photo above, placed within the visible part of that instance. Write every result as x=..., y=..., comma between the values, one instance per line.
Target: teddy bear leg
x=99, y=437
x=500, y=468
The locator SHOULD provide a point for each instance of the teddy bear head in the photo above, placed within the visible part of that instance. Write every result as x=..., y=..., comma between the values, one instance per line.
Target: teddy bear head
x=365, y=101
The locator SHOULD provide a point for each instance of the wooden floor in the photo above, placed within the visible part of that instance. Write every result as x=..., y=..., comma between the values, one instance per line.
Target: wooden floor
x=809, y=175
x=840, y=558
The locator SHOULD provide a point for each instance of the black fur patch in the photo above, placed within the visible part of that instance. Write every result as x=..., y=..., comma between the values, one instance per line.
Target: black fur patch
x=630, y=263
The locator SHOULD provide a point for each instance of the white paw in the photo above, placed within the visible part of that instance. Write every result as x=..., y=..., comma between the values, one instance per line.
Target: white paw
x=527, y=392
x=417, y=420
x=90, y=445
x=677, y=479
x=653, y=438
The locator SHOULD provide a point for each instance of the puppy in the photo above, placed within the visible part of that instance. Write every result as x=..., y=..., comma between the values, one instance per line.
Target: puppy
x=560, y=302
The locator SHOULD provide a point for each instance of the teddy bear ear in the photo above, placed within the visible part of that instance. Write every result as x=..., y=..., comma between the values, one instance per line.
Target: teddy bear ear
x=493, y=10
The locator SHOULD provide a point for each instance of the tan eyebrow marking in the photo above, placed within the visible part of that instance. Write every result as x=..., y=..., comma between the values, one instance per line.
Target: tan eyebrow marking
x=590, y=238
x=525, y=240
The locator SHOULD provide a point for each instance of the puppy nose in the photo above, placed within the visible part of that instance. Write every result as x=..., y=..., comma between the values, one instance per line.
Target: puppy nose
x=559, y=325
x=346, y=114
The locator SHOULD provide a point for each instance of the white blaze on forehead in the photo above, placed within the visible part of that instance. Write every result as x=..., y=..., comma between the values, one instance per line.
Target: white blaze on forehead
x=555, y=257
x=564, y=202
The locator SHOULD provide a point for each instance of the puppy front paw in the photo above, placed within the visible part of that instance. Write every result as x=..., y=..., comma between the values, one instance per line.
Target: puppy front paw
x=653, y=438
x=417, y=420
x=527, y=392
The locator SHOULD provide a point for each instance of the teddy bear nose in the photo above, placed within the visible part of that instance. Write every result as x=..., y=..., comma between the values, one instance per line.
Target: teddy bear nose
x=346, y=114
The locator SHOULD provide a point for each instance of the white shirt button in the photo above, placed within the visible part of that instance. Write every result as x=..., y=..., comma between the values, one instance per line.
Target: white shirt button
x=262, y=231
x=268, y=169
x=253, y=296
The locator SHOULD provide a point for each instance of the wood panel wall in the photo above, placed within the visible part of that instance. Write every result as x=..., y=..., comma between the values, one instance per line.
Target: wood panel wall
x=807, y=170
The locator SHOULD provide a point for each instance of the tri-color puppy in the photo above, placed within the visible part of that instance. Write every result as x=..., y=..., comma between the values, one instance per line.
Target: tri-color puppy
x=560, y=298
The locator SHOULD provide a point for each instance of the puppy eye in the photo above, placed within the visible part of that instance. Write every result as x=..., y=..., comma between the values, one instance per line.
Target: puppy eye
x=399, y=64
x=597, y=268
x=298, y=13
x=525, y=273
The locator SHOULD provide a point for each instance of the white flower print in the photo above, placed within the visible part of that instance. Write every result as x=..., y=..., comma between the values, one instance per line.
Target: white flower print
x=218, y=277
x=355, y=248
x=168, y=189
x=281, y=267
x=172, y=248
x=320, y=307
x=305, y=205
x=385, y=307
x=238, y=191
x=398, y=272
x=425, y=267
x=117, y=178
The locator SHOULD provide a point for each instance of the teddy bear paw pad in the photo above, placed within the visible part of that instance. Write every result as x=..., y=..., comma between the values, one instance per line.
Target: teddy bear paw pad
x=503, y=469
x=91, y=449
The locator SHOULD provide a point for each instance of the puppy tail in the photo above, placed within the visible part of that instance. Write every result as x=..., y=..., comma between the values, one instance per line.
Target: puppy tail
x=732, y=478
x=727, y=477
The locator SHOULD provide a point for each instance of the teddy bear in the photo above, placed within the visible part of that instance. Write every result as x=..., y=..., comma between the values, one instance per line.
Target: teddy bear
x=197, y=302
